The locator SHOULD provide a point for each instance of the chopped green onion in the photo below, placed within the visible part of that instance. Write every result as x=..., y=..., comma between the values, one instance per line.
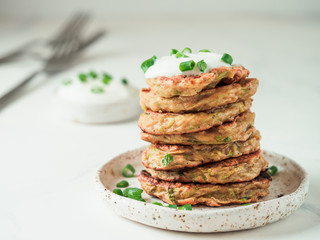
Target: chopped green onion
x=124, y=81
x=148, y=63
x=123, y=184
x=167, y=159
x=67, y=82
x=250, y=126
x=172, y=206
x=246, y=204
x=171, y=197
x=227, y=58
x=186, y=49
x=128, y=192
x=227, y=139
x=173, y=51
x=179, y=55
x=244, y=199
x=187, y=207
x=118, y=191
x=128, y=171
x=204, y=50
x=93, y=74
x=134, y=193
x=187, y=66
x=230, y=153
x=202, y=65
x=272, y=170
x=82, y=77
x=106, y=78
x=97, y=90
x=157, y=203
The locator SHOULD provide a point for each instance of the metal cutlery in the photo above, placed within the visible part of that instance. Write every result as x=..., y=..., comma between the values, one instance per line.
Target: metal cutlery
x=72, y=28
x=62, y=57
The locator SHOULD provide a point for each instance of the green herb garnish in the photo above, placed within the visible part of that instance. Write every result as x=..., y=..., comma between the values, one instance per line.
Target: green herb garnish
x=244, y=199
x=118, y=191
x=227, y=139
x=157, y=203
x=179, y=55
x=67, y=82
x=204, y=50
x=93, y=74
x=167, y=159
x=227, y=58
x=82, y=77
x=106, y=78
x=173, y=51
x=123, y=184
x=187, y=207
x=172, y=206
x=272, y=170
x=129, y=191
x=230, y=153
x=246, y=204
x=202, y=65
x=171, y=197
x=124, y=81
x=134, y=193
x=128, y=171
x=250, y=126
x=97, y=90
x=187, y=66
x=186, y=49
x=148, y=63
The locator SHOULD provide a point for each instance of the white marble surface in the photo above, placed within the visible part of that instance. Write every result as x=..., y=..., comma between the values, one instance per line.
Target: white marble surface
x=48, y=166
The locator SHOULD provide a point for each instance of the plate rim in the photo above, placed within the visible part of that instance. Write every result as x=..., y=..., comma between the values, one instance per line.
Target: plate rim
x=303, y=186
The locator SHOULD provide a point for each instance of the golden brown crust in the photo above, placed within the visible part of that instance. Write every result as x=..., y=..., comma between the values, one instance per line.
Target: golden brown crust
x=183, y=85
x=173, y=123
x=238, y=130
x=240, y=169
x=205, y=100
x=207, y=194
x=184, y=156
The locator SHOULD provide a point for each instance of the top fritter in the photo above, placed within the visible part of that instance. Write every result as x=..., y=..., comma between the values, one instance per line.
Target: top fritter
x=187, y=74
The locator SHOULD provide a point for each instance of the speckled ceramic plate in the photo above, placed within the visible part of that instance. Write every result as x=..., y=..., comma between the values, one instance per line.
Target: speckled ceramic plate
x=287, y=192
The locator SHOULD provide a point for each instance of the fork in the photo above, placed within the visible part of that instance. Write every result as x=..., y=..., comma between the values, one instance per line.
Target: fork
x=62, y=56
x=72, y=28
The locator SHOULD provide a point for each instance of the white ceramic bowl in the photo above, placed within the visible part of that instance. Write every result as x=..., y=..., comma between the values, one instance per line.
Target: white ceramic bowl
x=291, y=181
x=97, y=113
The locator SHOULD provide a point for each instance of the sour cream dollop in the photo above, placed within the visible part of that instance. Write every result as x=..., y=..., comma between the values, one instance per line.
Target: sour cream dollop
x=93, y=101
x=168, y=66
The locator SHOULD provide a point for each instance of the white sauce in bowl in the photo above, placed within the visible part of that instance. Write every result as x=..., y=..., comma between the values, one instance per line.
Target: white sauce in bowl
x=168, y=66
x=95, y=102
x=82, y=92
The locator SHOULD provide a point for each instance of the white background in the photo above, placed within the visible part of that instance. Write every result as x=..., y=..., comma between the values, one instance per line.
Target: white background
x=48, y=165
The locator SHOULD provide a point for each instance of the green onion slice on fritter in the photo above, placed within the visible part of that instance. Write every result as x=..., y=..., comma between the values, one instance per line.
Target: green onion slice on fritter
x=202, y=65
x=187, y=66
x=227, y=58
x=204, y=50
x=148, y=63
x=186, y=49
x=167, y=159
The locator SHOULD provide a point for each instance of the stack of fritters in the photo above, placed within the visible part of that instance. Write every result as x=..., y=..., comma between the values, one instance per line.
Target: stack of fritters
x=204, y=146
